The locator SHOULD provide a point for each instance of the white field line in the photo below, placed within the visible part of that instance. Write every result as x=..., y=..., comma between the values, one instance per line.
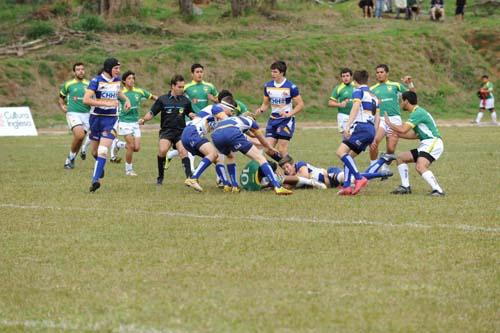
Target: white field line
x=304, y=126
x=414, y=225
x=44, y=324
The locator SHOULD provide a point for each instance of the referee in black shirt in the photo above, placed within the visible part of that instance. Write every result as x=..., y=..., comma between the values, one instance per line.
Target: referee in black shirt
x=174, y=107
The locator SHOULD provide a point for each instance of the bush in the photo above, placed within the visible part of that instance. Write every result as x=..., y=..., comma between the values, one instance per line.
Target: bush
x=90, y=23
x=39, y=29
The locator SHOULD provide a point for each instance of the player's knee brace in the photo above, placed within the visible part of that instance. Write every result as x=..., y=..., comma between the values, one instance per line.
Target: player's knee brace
x=102, y=151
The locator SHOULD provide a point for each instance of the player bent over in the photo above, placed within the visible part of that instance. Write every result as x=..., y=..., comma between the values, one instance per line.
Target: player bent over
x=102, y=95
x=420, y=126
x=228, y=137
x=195, y=141
x=363, y=120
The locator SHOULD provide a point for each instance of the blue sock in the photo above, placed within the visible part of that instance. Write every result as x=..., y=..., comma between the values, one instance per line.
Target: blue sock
x=231, y=169
x=371, y=175
x=347, y=177
x=204, y=164
x=98, y=168
x=221, y=172
x=375, y=166
x=349, y=162
x=268, y=171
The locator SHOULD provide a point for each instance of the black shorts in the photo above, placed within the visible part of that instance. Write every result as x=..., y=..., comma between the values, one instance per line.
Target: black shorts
x=365, y=3
x=172, y=135
x=416, y=154
x=459, y=10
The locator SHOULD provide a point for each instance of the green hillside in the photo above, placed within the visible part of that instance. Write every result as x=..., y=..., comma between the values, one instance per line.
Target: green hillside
x=445, y=59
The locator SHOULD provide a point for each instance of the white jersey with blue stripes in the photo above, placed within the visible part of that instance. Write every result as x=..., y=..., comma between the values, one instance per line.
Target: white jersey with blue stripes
x=205, y=120
x=368, y=105
x=243, y=123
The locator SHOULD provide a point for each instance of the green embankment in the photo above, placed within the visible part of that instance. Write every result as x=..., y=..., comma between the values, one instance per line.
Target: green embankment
x=445, y=59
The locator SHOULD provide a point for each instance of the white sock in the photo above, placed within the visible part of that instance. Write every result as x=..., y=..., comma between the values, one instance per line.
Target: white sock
x=172, y=153
x=303, y=182
x=121, y=144
x=494, y=117
x=113, y=148
x=86, y=143
x=404, y=174
x=479, y=117
x=72, y=155
x=431, y=180
x=191, y=161
x=128, y=167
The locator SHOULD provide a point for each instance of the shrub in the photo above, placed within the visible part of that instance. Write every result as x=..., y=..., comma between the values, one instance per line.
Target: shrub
x=90, y=23
x=39, y=29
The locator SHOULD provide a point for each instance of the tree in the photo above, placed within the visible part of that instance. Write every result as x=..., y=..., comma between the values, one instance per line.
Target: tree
x=238, y=7
x=112, y=7
x=186, y=7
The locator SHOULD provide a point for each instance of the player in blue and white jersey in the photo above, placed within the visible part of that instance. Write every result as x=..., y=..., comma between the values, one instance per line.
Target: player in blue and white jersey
x=331, y=177
x=195, y=141
x=228, y=137
x=281, y=94
x=102, y=95
x=363, y=120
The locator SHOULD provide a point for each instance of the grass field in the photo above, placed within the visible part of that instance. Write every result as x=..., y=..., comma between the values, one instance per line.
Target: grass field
x=135, y=257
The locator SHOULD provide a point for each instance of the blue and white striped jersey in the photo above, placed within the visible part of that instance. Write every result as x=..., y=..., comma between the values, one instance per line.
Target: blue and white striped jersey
x=369, y=104
x=242, y=123
x=280, y=96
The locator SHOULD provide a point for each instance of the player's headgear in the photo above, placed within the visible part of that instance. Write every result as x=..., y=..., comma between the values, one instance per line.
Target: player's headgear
x=109, y=64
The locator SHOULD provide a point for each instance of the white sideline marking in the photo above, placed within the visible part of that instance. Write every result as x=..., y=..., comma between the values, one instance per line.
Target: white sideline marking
x=461, y=227
x=95, y=327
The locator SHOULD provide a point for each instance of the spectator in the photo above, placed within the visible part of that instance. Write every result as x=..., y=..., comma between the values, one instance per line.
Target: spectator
x=367, y=7
x=459, y=10
x=413, y=9
x=379, y=8
x=437, y=10
x=400, y=7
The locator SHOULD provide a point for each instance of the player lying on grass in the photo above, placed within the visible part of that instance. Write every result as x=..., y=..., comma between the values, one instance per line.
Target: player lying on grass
x=332, y=177
x=228, y=137
x=195, y=141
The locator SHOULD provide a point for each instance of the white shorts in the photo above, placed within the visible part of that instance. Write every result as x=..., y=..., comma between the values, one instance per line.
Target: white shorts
x=396, y=120
x=433, y=147
x=76, y=119
x=342, y=121
x=129, y=129
x=487, y=103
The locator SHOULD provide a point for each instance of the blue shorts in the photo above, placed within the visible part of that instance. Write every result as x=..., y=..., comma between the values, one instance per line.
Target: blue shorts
x=103, y=127
x=361, y=137
x=280, y=128
x=192, y=141
x=230, y=139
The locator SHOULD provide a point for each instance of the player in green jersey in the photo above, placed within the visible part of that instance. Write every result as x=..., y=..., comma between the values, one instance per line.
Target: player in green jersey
x=420, y=126
x=487, y=101
x=77, y=113
x=341, y=98
x=129, y=120
x=200, y=93
x=388, y=93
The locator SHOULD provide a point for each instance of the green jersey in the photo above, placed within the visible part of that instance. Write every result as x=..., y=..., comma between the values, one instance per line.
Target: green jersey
x=73, y=91
x=423, y=124
x=341, y=93
x=200, y=91
x=388, y=93
x=489, y=86
x=240, y=108
x=249, y=178
x=135, y=96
